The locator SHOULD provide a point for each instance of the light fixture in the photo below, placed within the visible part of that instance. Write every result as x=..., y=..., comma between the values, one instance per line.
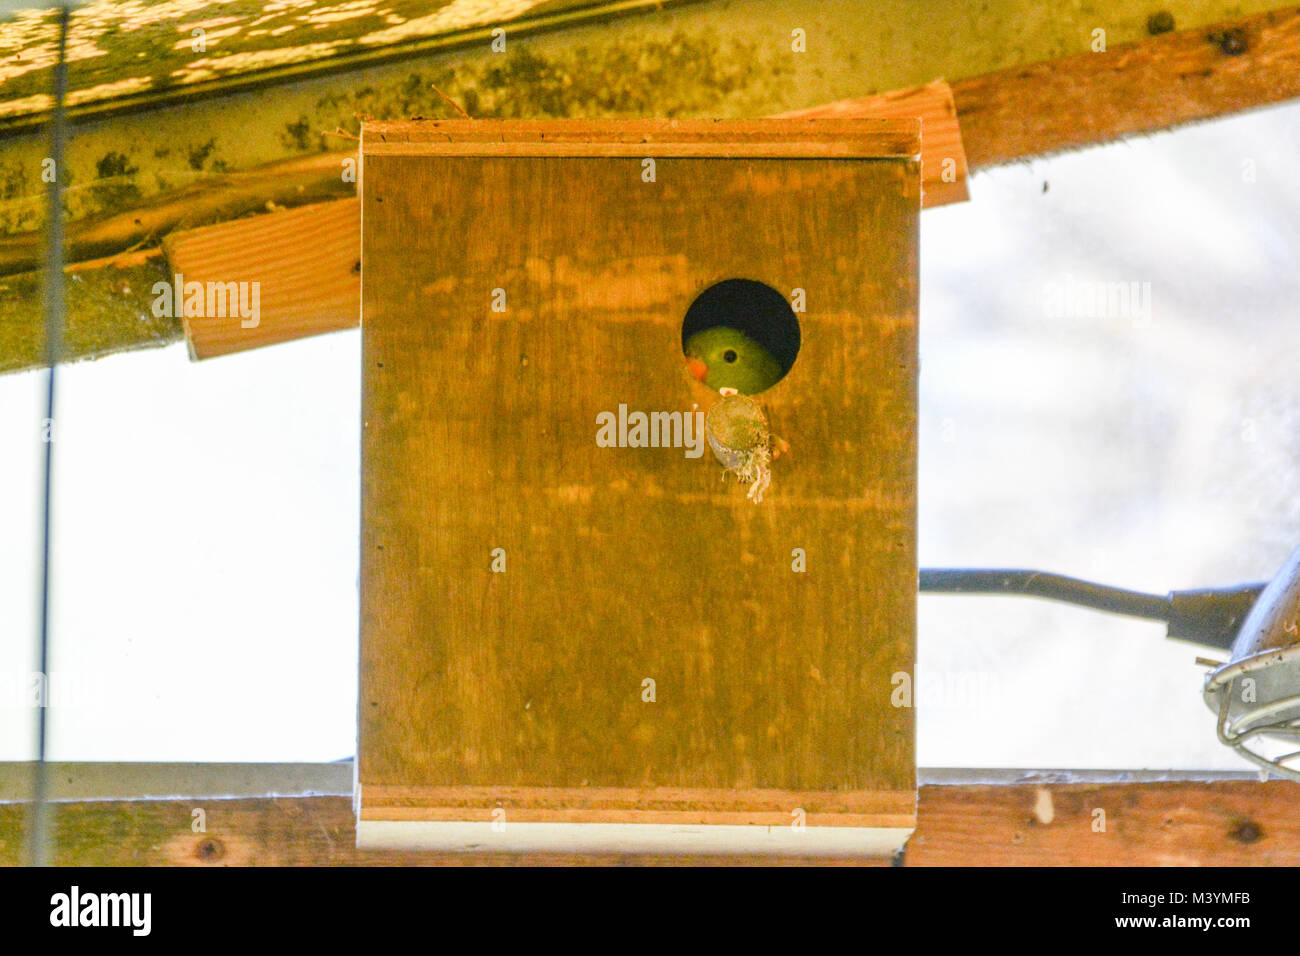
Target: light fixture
x=1256, y=695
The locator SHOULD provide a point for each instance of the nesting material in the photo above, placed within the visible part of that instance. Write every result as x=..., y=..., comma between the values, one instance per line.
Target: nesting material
x=743, y=443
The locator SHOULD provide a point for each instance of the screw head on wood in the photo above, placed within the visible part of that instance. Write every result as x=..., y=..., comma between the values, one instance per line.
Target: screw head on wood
x=1158, y=23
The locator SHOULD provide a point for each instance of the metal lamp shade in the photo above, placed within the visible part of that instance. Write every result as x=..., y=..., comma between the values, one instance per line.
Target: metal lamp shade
x=1256, y=695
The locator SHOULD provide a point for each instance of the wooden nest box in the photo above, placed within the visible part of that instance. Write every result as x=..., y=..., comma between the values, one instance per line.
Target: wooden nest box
x=579, y=631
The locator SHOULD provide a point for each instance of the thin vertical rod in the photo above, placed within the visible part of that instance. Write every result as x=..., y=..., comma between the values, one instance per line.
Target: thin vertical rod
x=41, y=828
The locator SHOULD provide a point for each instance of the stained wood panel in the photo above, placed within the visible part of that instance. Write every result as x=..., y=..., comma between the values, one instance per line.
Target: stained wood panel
x=523, y=689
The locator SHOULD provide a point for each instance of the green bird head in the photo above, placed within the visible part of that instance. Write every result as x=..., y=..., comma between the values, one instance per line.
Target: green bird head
x=723, y=357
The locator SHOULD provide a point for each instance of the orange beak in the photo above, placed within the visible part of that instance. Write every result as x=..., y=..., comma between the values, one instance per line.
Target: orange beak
x=697, y=369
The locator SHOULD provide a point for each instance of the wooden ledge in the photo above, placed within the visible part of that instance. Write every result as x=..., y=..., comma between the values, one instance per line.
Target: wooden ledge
x=876, y=138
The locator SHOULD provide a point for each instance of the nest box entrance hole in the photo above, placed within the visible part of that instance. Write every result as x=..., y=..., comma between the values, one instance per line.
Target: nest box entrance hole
x=740, y=333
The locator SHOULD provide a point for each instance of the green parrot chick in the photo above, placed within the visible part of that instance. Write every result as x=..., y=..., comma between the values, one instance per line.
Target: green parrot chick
x=723, y=357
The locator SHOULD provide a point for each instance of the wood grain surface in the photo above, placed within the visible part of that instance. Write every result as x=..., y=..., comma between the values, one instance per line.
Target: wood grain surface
x=885, y=137
x=628, y=564
x=1227, y=823
x=1161, y=82
x=307, y=263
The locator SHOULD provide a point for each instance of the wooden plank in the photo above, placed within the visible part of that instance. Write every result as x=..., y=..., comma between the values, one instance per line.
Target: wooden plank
x=1159, y=824
x=870, y=137
x=306, y=263
x=943, y=157
x=1157, y=84
x=1085, y=99
x=791, y=149
x=480, y=433
x=1235, y=823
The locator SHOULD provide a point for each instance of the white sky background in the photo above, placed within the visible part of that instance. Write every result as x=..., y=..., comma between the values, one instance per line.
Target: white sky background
x=205, y=554
x=207, y=514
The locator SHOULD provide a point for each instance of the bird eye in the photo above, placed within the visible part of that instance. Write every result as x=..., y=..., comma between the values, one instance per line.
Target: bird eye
x=729, y=355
